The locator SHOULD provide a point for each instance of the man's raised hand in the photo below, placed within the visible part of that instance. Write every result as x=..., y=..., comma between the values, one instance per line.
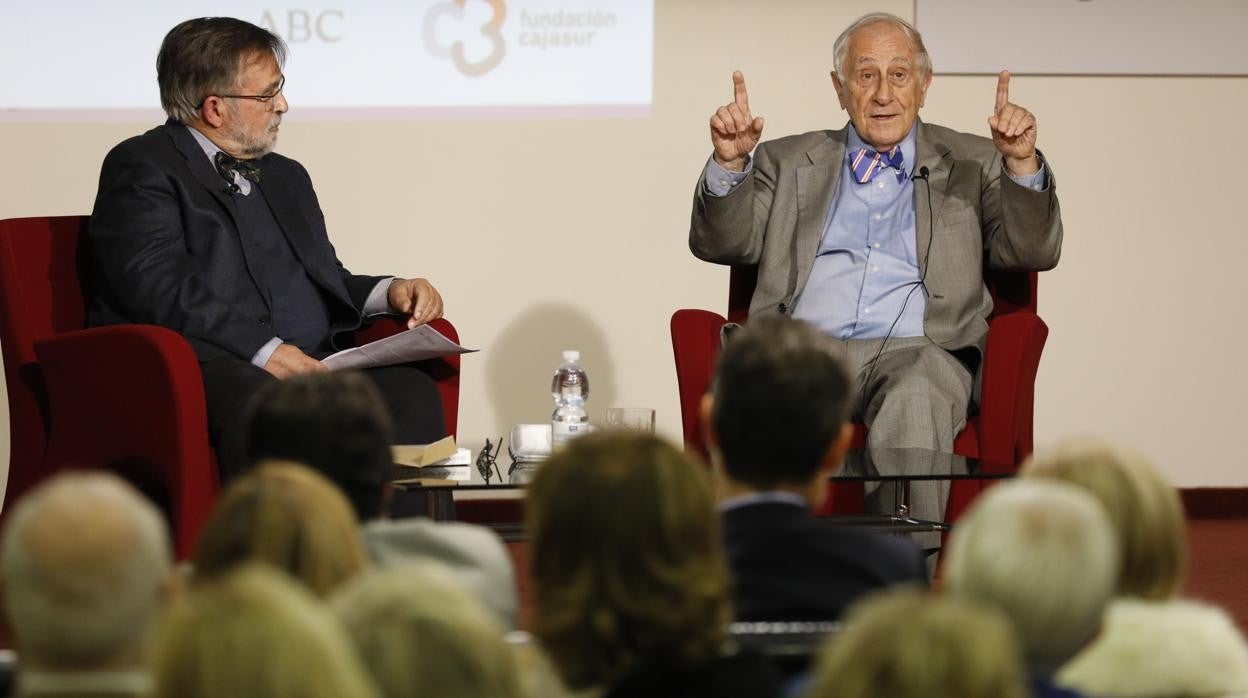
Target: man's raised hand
x=734, y=131
x=1013, y=131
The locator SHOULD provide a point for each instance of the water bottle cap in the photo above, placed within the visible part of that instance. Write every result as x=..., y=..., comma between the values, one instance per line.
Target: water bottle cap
x=571, y=355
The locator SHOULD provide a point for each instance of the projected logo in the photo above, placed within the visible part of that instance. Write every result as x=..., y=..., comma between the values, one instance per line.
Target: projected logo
x=474, y=51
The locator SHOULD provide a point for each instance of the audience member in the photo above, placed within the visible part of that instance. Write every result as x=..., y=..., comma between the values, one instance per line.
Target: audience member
x=337, y=424
x=777, y=428
x=1152, y=645
x=251, y=633
x=86, y=566
x=630, y=587
x=1043, y=553
x=287, y=516
x=419, y=634
x=908, y=643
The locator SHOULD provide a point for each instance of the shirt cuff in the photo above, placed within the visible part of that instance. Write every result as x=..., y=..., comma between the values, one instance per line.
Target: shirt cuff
x=1036, y=181
x=378, y=301
x=266, y=352
x=718, y=181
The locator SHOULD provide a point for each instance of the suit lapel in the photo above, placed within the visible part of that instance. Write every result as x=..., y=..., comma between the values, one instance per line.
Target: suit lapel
x=283, y=200
x=816, y=187
x=201, y=167
x=934, y=155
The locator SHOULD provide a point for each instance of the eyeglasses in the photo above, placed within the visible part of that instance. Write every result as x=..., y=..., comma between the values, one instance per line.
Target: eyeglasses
x=487, y=460
x=263, y=99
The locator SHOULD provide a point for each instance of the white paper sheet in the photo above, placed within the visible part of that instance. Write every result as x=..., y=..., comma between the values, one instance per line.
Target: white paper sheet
x=417, y=344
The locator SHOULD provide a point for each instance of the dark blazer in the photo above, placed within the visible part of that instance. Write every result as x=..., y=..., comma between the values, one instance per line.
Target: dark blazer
x=787, y=567
x=164, y=246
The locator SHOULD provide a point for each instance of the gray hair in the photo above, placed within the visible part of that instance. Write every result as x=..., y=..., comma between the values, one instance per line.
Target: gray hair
x=840, y=49
x=85, y=561
x=1044, y=553
x=205, y=56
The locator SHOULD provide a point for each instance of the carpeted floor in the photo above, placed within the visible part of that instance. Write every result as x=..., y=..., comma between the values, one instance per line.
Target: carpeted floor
x=1218, y=565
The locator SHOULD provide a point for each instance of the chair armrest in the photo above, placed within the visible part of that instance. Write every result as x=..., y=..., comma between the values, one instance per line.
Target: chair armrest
x=133, y=395
x=1007, y=390
x=695, y=346
x=443, y=370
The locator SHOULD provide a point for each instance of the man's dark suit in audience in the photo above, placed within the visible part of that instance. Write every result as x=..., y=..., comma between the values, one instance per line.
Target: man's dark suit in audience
x=336, y=423
x=777, y=429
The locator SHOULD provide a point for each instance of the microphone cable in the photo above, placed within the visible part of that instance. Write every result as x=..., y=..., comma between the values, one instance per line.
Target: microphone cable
x=931, y=233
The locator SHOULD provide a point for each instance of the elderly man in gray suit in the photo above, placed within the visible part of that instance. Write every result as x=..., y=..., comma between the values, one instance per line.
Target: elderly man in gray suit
x=877, y=233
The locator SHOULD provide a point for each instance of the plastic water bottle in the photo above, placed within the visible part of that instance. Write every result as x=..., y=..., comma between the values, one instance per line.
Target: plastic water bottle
x=570, y=389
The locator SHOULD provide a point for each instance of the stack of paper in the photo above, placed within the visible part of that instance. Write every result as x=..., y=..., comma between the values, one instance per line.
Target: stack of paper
x=440, y=462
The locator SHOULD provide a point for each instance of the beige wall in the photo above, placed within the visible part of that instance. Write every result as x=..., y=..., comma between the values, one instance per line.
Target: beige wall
x=572, y=234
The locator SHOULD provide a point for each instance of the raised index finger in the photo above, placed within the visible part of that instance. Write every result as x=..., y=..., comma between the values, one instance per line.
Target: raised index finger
x=739, y=95
x=1003, y=91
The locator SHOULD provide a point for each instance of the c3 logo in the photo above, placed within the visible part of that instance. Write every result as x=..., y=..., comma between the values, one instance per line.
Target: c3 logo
x=490, y=30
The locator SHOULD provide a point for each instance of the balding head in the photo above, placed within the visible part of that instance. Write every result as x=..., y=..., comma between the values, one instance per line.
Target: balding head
x=86, y=562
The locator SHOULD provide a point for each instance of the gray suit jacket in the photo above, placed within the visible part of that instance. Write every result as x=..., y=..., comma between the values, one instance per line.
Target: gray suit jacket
x=475, y=555
x=775, y=219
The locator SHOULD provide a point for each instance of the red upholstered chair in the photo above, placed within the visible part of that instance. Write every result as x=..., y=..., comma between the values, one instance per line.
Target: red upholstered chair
x=128, y=397
x=1000, y=435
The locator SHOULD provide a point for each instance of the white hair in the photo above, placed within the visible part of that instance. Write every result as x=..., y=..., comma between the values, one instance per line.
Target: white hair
x=85, y=561
x=1044, y=553
x=840, y=49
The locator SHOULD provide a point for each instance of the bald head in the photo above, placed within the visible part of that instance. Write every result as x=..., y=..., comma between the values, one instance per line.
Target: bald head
x=85, y=561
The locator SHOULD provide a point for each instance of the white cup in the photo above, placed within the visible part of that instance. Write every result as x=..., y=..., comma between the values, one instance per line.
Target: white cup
x=631, y=418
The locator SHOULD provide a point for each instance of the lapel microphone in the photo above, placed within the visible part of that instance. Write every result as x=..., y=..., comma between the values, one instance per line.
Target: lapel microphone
x=921, y=174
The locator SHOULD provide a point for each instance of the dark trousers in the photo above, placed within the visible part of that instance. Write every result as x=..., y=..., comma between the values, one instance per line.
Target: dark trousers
x=229, y=384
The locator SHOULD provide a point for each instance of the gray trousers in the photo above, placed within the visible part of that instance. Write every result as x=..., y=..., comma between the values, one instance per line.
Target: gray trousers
x=916, y=396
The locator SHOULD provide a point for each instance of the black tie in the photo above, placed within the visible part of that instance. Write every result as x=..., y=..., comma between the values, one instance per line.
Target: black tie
x=227, y=165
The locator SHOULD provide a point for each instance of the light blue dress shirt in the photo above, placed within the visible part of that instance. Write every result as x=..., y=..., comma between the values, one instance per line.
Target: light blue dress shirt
x=865, y=279
x=866, y=272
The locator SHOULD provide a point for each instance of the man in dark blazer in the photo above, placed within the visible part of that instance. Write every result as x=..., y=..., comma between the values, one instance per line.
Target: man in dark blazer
x=776, y=425
x=199, y=227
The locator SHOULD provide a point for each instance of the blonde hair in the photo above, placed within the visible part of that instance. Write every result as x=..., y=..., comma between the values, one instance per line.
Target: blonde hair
x=627, y=560
x=910, y=643
x=1143, y=508
x=290, y=517
x=421, y=635
x=1044, y=554
x=253, y=632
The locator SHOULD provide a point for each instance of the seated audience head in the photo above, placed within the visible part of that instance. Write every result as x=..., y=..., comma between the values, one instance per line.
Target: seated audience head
x=419, y=634
x=253, y=632
x=1143, y=509
x=778, y=411
x=627, y=561
x=1043, y=553
x=336, y=423
x=86, y=565
x=911, y=643
x=288, y=516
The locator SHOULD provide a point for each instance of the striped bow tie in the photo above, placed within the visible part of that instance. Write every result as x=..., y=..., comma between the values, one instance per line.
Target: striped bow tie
x=866, y=163
x=227, y=165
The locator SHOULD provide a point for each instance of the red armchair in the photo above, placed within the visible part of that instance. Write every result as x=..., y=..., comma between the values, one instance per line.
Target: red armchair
x=128, y=397
x=1000, y=435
